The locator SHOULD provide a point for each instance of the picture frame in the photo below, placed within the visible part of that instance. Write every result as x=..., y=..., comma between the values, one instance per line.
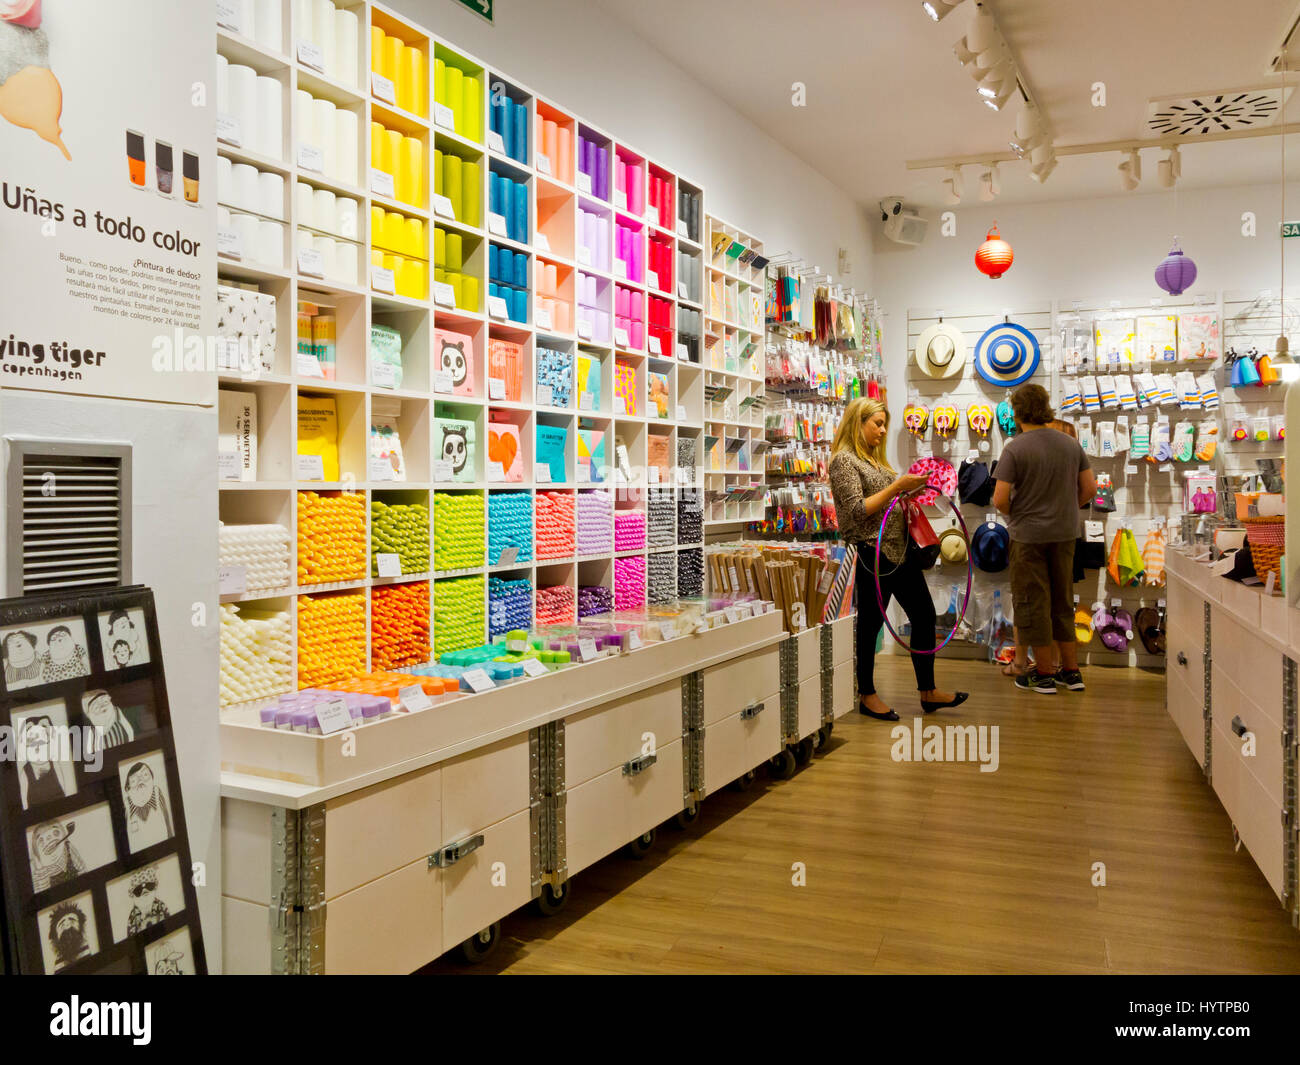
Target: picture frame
x=94, y=857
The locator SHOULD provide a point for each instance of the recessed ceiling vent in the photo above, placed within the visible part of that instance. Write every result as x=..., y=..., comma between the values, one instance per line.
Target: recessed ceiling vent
x=1215, y=112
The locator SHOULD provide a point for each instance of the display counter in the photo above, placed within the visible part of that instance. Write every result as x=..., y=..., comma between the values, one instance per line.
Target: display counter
x=438, y=824
x=1231, y=690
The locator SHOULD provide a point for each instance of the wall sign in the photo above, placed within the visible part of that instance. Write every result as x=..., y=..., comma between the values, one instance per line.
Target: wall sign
x=109, y=203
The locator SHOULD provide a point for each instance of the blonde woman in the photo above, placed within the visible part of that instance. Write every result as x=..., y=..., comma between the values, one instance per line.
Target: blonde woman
x=863, y=483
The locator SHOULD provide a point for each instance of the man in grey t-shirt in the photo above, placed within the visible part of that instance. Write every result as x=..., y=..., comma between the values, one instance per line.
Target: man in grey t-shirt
x=1043, y=478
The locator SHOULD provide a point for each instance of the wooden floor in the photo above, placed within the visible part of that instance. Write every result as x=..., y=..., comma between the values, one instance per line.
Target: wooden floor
x=937, y=867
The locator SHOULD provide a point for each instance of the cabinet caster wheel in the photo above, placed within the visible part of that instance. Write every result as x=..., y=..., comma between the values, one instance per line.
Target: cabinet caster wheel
x=803, y=750
x=782, y=766
x=687, y=817
x=820, y=737
x=640, y=846
x=480, y=946
x=744, y=782
x=552, y=899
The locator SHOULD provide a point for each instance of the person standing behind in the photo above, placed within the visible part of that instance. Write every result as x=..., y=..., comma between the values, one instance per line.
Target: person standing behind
x=863, y=484
x=1043, y=478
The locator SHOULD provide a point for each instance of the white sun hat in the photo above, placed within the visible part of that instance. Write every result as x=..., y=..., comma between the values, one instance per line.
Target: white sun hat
x=941, y=351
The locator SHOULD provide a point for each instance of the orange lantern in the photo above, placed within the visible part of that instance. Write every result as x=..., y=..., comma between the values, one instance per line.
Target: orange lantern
x=994, y=256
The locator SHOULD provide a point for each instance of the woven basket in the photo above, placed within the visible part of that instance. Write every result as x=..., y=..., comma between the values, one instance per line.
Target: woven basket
x=1267, y=559
x=1265, y=532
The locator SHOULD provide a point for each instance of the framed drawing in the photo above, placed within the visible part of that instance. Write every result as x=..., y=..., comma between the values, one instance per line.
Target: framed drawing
x=94, y=858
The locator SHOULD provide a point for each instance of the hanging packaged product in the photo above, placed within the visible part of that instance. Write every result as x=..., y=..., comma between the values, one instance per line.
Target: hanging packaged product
x=1240, y=431
x=1208, y=391
x=1198, y=491
x=1207, y=440
x=1183, y=443
x=1091, y=395
x=1006, y=419
x=1153, y=555
x=1083, y=427
x=945, y=421
x=385, y=357
x=1140, y=445
x=979, y=416
x=1161, y=441
x=1115, y=344
x=1127, y=393
x=1121, y=435
x=1198, y=336
x=1076, y=347
x=1104, y=497
x=1106, y=440
x=1157, y=338
x=1108, y=394
x=1165, y=389
x=1260, y=428
x=1279, y=427
x=916, y=417
x=1071, y=399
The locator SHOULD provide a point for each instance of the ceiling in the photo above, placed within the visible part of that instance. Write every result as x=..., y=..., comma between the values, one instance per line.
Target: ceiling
x=883, y=86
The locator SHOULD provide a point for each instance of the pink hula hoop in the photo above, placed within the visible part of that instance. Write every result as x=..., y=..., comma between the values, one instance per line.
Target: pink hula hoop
x=880, y=596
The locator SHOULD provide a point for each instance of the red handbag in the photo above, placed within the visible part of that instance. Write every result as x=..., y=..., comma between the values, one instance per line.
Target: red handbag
x=919, y=528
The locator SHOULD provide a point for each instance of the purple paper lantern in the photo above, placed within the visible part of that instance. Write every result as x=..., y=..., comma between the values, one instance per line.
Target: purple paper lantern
x=1177, y=273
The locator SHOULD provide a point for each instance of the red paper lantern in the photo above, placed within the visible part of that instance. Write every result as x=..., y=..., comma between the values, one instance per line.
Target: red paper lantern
x=994, y=256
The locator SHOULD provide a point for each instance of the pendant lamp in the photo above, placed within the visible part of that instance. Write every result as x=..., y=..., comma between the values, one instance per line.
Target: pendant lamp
x=1177, y=273
x=994, y=256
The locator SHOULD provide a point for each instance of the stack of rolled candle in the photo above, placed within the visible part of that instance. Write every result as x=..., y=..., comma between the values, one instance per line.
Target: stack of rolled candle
x=331, y=638
x=661, y=569
x=332, y=131
x=629, y=530
x=690, y=573
x=661, y=512
x=510, y=605
x=554, y=309
x=458, y=533
x=331, y=537
x=629, y=316
x=449, y=267
x=555, y=605
x=400, y=529
x=462, y=93
x=406, y=66
x=334, y=31
x=392, y=231
x=593, y=239
x=401, y=157
x=688, y=332
x=629, y=253
x=509, y=119
x=594, y=319
x=629, y=180
x=509, y=199
x=554, y=141
x=688, y=210
x=593, y=162
x=458, y=614
x=338, y=258
x=399, y=625
x=690, y=517
x=256, y=653
x=510, y=524
x=255, y=101
x=459, y=180
x=660, y=327
x=595, y=522
x=660, y=195
x=594, y=599
x=689, y=267
x=263, y=551
x=629, y=583
x=555, y=371
x=508, y=280
x=554, y=526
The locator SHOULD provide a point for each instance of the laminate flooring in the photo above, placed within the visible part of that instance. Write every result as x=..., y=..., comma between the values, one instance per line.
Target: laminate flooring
x=936, y=867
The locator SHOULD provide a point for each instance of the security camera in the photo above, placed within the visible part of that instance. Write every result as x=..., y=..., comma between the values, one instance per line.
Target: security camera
x=890, y=205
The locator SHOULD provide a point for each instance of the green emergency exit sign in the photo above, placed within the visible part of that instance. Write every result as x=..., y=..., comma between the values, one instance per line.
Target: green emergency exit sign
x=483, y=8
x=1290, y=229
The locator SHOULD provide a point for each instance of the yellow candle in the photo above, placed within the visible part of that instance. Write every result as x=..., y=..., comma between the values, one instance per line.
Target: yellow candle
x=376, y=49
x=410, y=172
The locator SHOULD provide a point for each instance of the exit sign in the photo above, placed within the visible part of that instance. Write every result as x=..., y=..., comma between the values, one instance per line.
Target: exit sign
x=1290, y=229
x=482, y=8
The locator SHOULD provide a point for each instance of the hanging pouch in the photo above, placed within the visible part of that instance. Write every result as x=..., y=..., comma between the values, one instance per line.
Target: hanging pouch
x=1140, y=447
x=1091, y=395
x=1106, y=389
x=1184, y=441
x=1083, y=426
x=1127, y=393
x=1121, y=436
x=1161, y=444
x=1106, y=440
x=1208, y=391
x=1071, y=399
x=1260, y=429
x=1207, y=440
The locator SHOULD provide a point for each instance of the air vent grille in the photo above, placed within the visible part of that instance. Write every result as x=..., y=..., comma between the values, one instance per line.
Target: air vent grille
x=73, y=528
x=1219, y=112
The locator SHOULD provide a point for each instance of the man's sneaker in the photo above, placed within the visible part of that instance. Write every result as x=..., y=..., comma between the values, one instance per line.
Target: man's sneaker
x=1035, y=681
x=1070, y=678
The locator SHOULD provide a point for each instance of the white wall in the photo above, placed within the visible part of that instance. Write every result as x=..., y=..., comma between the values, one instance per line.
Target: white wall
x=1105, y=248
x=579, y=57
x=174, y=539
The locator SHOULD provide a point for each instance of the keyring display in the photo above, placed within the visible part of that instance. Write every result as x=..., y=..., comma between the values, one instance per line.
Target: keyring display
x=970, y=575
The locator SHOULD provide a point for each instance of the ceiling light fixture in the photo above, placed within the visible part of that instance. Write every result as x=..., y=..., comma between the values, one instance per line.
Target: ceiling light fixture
x=994, y=81
x=952, y=187
x=1000, y=101
x=1165, y=173
x=1176, y=161
x=1130, y=171
x=981, y=32
x=1042, y=161
x=990, y=183
x=1029, y=132
x=938, y=10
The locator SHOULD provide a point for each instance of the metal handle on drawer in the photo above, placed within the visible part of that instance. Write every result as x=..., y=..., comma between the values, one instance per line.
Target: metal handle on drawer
x=752, y=710
x=1182, y=659
x=1239, y=727
x=451, y=855
x=638, y=765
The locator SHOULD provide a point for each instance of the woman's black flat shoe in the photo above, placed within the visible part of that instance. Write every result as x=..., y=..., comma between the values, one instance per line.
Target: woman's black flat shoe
x=930, y=708
x=891, y=716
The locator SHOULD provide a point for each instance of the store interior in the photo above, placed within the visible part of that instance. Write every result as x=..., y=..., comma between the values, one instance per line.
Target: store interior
x=509, y=628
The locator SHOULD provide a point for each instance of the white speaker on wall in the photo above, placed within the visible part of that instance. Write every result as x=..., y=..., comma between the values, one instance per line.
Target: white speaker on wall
x=903, y=224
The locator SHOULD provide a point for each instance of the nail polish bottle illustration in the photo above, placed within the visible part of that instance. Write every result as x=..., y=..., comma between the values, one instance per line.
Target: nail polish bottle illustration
x=190, y=171
x=162, y=167
x=135, y=157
